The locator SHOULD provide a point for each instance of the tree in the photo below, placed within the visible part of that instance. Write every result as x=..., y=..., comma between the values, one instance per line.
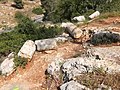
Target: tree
x=62, y=10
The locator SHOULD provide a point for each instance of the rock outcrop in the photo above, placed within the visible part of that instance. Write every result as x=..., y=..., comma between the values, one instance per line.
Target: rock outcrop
x=27, y=49
x=109, y=53
x=76, y=66
x=72, y=85
x=55, y=66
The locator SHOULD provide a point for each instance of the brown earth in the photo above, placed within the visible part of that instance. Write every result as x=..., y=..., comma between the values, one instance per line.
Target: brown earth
x=33, y=77
x=7, y=12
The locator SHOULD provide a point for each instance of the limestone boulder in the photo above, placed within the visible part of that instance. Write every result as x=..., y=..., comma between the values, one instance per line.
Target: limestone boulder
x=27, y=49
x=7, y=66
x=46, y=44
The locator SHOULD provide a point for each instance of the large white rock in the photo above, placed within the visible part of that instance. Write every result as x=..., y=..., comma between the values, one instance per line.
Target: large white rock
x=7, y=66
x=38, y=18
x=72, y=29
x=76, y=66
x=27, y=49
x=95, y=14
x=46, y=44
x=72, y=85
x=79, y=18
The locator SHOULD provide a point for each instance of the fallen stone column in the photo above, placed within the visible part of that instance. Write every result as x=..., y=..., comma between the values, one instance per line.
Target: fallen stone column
x=72, y=29
x=46, y=44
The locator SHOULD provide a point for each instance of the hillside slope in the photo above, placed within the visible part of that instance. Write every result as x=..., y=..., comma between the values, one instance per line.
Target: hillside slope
x=33, y=76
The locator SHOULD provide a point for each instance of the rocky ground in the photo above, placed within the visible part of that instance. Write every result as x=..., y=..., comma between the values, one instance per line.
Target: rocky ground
x=33, y=76
x=7, y=12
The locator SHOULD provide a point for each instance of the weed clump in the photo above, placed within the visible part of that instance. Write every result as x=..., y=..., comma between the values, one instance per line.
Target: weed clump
x=38, y=10
x=20, y=62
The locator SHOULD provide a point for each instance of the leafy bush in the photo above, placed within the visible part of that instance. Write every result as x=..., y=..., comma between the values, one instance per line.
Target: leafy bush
x=25, y=30
x=20, y=62
x=25, y=26
x=105, y=38
x=62, y=10
x=38, y=10
x=19, y=4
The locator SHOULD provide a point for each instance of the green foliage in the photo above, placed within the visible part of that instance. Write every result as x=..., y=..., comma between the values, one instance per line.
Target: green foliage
x=105, y=38
x=25, y=26
x=20, y=62
x=19, y=15
x=19, y=4
x=11, y=41
x=25, y=30
x=38, y=10
x=63, y=10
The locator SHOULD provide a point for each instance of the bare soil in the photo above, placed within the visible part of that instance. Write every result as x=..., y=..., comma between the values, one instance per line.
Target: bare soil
x=7, y=12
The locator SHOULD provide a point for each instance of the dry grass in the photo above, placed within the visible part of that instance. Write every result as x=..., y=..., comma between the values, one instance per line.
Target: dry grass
x=98, y=77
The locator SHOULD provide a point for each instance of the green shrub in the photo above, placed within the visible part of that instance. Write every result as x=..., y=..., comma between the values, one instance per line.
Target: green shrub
x=38, y=10
x=105, y=38
x=20, y=62
x=26, y=26
x=62, y=10
x=25, y=30
x=19, y=15
x=11, y=42
x=19, y=4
